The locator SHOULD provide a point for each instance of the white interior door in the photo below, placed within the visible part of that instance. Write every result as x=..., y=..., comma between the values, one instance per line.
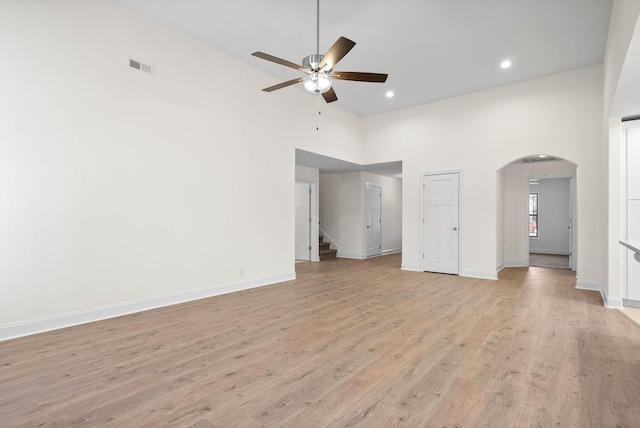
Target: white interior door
x=303, y=221
x=440, y=223
x=373, y=220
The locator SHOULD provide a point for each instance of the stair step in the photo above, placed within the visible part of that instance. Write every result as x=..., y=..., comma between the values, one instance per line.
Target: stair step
x=324, y=250
x=328, y=254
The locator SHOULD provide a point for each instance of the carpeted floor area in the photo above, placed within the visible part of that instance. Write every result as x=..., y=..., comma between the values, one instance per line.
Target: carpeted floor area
x=553, y=261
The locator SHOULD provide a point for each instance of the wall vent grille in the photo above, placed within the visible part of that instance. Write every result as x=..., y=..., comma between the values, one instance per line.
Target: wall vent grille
x=536, y=159
x=138, y=65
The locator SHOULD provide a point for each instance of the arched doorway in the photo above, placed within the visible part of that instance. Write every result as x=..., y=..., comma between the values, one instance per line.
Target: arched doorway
x=525, y=224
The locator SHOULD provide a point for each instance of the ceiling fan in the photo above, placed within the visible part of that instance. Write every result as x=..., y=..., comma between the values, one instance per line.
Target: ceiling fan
x=319, y=68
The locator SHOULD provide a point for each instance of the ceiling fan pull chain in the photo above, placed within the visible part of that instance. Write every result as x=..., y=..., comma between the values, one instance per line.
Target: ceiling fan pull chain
x=319, y=112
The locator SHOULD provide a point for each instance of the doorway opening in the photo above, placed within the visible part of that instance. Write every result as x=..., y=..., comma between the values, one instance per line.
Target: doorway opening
x=537, y=222
x=550, y=218
x=373, y=219
x=303, y=221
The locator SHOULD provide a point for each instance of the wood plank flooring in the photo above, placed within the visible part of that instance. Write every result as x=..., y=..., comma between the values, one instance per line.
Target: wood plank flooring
x=348, y=344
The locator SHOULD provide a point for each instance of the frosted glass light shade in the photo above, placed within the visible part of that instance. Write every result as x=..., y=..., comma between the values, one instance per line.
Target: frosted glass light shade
x=317, y=83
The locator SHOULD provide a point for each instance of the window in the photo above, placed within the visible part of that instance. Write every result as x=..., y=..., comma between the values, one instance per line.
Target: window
x=533, y=215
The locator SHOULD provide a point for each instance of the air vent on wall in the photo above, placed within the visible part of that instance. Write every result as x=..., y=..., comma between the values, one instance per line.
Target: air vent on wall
x=138, y=65
x=539, y=158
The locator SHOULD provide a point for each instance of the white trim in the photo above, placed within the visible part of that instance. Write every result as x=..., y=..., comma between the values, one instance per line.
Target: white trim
x=310, y=246
x=589, y=286
x=573, y=189
x=351, y=256
x=609, y=302
x=480, y=275
x=613, y=303
x=391, y=251
x=512, y=264
x=630, y=124
x=26, y=328
x=367, y=186
x=412, y=268
x=551, y=252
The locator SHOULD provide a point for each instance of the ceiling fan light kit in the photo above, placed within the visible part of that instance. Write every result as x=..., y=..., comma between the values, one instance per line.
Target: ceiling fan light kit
x=317, y=82
x=319, y=68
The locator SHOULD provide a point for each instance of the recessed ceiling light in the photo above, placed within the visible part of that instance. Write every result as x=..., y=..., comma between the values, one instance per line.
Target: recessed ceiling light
x=505, y=64
x=389, y=94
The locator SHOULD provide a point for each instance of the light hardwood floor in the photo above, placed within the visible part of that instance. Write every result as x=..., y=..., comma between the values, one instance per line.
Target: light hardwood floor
x=350, y=343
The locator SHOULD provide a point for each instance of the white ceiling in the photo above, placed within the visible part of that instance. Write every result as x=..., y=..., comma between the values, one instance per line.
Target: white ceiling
x=431, y=49
x=328, y=165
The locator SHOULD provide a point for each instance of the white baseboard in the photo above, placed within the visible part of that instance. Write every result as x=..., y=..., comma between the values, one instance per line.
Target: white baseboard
x=350, y=256
x=612, y=303
x=552, y=252
x=391, y=251
x=480, y=275
x=513, y=264
x=26, y=328
x=589, y=286
x=470, y=274
x=609, y=302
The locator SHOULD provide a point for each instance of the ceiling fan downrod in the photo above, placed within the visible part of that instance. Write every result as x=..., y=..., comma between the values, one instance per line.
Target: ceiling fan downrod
x=318, y=28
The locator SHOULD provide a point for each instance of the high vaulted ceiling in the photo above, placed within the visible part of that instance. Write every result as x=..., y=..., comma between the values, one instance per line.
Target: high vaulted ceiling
x=431, y=49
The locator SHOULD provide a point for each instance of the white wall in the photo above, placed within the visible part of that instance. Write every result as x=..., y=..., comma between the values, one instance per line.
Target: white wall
x=122, y=191
x=516, y=192
x=342, y=212
x=120, y=188
x=554, y=207
x=622, y=24
x=479, y=134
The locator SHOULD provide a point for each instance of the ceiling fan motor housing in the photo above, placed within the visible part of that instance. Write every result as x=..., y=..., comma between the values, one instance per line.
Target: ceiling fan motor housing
x=312, y=62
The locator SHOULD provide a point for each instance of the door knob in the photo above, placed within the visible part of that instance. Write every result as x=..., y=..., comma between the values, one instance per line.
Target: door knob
x=455, y=228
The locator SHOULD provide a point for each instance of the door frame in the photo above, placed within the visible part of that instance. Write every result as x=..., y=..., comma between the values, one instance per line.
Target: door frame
x=366, y=244
x=314, y=228
x=307, y=188
x=573, y=247
x=460, y=214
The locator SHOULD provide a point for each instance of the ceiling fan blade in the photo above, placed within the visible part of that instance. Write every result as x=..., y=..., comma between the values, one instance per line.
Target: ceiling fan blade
x=281, y=61
x=330, y=96
x=359, y=77
x=336, y=52
x=283, y=85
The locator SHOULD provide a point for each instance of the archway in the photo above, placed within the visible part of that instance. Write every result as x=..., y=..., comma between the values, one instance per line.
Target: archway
x=515, y=181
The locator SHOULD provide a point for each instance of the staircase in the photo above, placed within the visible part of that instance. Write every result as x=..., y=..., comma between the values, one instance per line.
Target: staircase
x=324, y=251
